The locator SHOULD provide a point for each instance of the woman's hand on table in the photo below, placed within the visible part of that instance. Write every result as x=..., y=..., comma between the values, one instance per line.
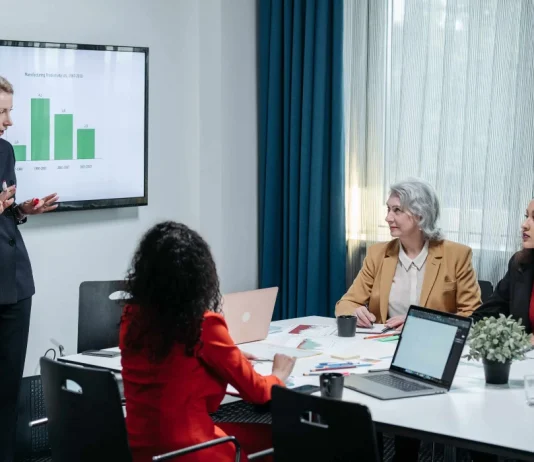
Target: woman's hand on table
x=283, y=366
x=396, y=322
x=365, y=317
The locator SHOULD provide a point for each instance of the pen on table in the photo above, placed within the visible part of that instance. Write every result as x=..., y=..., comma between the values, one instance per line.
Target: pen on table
x=381, y=369
x=349, y=363
x=309, y=374
x=386, y=329
x=379, y=336
x=326, y=369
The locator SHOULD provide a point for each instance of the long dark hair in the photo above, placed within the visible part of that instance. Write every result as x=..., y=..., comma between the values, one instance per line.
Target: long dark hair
x=524, y=258
x=173, y=280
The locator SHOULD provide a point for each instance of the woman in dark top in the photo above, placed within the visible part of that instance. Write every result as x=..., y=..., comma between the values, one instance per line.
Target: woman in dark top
x=514, y=294
x=16, y=283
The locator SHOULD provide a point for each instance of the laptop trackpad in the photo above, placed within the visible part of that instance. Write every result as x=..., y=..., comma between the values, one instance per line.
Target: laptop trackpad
x=385, y=385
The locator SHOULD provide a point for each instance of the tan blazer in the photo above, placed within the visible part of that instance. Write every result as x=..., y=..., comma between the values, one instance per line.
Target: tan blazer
x=449, y=284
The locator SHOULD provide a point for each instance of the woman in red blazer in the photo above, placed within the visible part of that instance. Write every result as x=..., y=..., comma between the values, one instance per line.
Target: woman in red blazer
x=177, y=355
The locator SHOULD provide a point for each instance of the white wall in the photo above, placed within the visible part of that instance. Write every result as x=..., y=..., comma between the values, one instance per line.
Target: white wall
x=202, y=146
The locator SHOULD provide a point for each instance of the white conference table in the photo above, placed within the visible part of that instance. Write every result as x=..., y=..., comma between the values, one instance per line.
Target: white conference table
x=472, y=415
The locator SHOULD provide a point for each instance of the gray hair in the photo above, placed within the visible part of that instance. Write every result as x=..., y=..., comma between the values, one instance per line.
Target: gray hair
x=420, y=199
x=5, y=86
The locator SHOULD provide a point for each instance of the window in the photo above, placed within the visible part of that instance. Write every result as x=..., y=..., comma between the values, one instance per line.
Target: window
x=442, y=90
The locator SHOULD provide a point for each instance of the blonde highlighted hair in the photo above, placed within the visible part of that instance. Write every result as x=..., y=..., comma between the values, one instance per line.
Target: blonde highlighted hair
x=5, y=86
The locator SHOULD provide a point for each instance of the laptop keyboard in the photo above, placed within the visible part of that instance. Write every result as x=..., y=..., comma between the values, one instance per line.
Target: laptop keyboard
x=399, y=383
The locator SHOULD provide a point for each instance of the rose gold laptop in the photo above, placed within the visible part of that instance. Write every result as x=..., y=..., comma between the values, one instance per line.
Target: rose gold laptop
x=248, y=314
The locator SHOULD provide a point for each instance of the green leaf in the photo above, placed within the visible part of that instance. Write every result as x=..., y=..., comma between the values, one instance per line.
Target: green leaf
x=499, y=339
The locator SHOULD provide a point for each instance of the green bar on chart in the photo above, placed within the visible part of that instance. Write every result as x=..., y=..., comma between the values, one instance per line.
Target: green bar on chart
x=20, y=152
x=63, y=136
x=40, y=129
x=86, y=143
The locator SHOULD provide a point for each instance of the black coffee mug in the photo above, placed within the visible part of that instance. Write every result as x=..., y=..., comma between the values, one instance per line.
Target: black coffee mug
x=331, y=384
x=346, y=325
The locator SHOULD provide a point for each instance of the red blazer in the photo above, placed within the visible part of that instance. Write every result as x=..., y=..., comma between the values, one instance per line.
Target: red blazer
x=168, y=404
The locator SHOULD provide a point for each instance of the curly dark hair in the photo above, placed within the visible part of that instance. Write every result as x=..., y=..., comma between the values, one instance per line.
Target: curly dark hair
x=173, y=280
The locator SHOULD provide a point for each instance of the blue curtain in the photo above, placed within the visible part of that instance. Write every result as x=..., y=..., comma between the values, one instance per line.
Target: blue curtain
x=301, y=164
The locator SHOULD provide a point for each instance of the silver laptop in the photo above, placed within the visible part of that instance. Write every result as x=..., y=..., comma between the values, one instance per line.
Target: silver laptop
x=248, y=314
x=426, y=358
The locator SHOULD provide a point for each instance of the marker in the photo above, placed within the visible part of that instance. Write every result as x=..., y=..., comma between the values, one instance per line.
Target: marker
x=350, y=363
x=326, y=369
x=387, y=329
x=4, y=186
x=392, y=338
x=379, y=336
x=35, y=201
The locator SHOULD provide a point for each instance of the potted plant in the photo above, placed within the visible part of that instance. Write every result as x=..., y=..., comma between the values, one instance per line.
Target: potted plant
x=498, y=342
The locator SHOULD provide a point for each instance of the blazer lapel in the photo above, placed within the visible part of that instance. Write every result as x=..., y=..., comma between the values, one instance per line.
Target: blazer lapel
x=389, y=266
x=3, y=161
x=435, y=254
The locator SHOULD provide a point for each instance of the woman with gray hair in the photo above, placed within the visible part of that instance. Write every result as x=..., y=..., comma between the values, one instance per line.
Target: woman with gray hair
x=418, y=267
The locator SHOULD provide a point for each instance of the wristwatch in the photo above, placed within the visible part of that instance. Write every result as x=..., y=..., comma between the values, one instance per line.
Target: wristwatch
x=20, y=218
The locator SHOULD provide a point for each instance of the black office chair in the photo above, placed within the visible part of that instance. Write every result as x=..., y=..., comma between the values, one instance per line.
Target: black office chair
x=486, y=290
x=338, y=430
x=98, y=315
x=85, y=418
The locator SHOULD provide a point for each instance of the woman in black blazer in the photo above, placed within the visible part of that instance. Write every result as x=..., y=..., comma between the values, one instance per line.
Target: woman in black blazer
x=514, y=294
x=16, y=281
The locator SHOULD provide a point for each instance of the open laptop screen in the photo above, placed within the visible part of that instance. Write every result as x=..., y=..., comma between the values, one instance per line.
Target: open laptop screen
x=431, y=345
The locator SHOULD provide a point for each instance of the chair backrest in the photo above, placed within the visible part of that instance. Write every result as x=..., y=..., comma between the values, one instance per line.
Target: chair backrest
x=85, y=418
x=342, y=432
x=486, y=290
x=98, y=315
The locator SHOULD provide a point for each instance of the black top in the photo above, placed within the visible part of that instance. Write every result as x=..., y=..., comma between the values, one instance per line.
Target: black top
x=512, y=295
x=16, y=278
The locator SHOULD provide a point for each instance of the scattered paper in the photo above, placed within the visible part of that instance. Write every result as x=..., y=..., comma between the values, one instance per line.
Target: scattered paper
x=267, y=350
x=374, y=329
x=276, y=329
x=314, y=330
x=316, y=344
x=267, y=369
x=365, y=349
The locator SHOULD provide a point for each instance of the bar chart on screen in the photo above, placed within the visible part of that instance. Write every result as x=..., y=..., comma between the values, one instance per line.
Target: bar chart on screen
x=78, y=122
x=54, y=136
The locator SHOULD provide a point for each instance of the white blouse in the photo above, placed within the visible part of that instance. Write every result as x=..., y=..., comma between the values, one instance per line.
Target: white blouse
x=407, y=282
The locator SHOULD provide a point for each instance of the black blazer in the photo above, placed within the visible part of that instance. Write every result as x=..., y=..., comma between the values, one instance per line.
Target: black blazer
x=511, y=296
x=16, y=277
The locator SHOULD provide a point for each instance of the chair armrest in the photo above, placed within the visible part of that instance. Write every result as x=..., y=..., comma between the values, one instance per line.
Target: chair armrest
x=38, y=422
x=199, y=447
x=260, y=454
